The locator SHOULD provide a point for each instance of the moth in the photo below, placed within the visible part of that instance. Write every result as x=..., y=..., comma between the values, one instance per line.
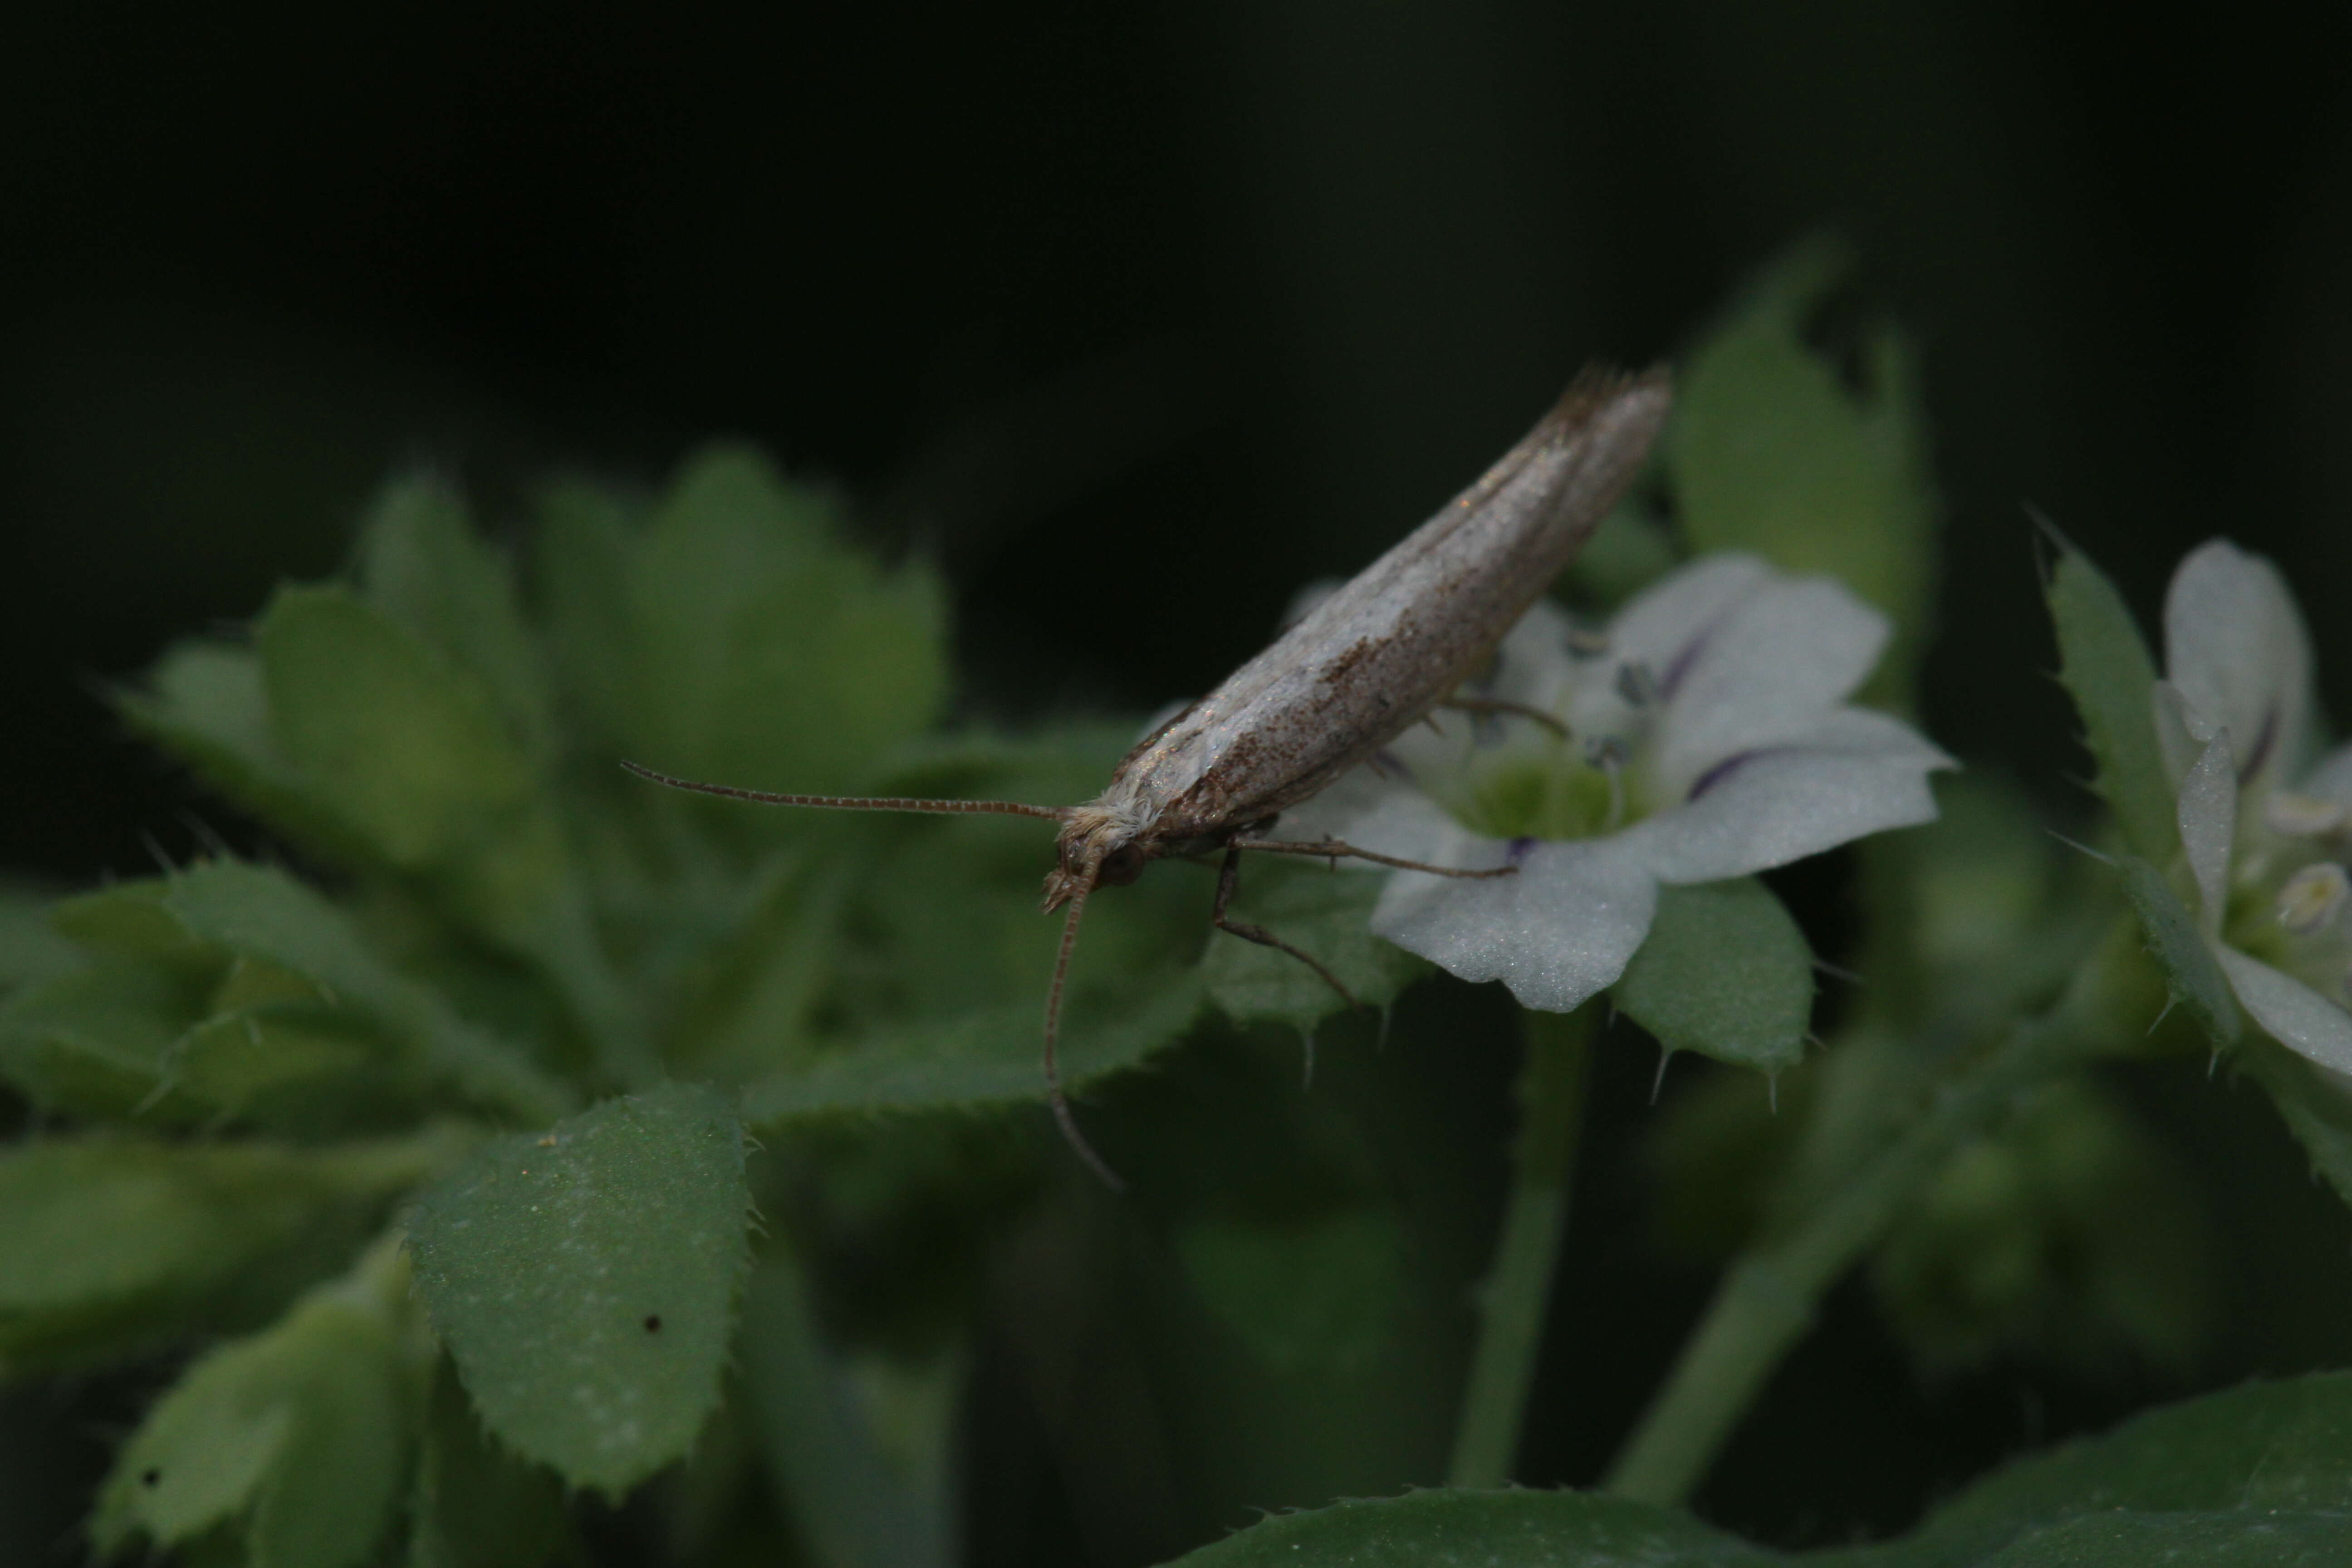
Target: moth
x=1372, y=660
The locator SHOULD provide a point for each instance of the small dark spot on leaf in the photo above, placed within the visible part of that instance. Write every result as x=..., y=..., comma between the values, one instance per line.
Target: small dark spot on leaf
x=653, y=1322
x=150, y=1477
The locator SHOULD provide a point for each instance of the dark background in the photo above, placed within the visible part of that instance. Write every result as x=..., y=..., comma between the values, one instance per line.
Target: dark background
x=1138, y=317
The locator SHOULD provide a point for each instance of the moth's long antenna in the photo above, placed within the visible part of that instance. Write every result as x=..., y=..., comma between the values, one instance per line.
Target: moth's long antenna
x=859, y=802
x=1053, y=1095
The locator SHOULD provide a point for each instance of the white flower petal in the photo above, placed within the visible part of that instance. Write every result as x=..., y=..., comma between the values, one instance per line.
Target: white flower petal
x=1854, y=772
x=2181, y=732
x=1433, y=747
x=1533, y=664
x=1767, y=670
x=1388, y=815
x=1557, y=933
x=1662, y=620
x=2290, y=1012
x=2208, y=813
x=2234, y=644
x=1657, y=635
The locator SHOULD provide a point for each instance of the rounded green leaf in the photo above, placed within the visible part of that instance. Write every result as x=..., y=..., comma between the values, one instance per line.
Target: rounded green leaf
x=585, y=1280
x=421, y=561
x=400, y=744
x=1725, y=973
x=296, y=1438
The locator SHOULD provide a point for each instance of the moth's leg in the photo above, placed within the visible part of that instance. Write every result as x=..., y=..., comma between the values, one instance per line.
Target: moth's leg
x=1497, y=705
x=1333, y=848
x=1229, y=877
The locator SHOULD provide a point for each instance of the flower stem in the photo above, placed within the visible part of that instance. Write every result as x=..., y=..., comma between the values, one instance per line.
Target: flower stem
x=1767, y=1297
x=1516, y=1298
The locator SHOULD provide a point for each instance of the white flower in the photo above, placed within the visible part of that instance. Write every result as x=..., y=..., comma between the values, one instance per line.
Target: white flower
x=2265, y=830
x=1707, y=737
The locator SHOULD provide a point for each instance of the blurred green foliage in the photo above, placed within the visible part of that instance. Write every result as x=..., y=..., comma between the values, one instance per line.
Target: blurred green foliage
x=525, y=1131
x=2252, y=1477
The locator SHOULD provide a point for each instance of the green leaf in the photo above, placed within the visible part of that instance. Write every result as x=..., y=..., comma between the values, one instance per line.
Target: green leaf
x=1724, y=972
x=865, y=1492
x=230, y=990
x=2312, y=1103
x=1531, y=1528
x=1772, y=452
x=107, y=1245
x=734, y=639
x=2191, y=969
x=2105, y=669
x=982, y=1058
x=1326, y=914
x=398, y=743
x=940, y=974
x=421, y=562
x=583, y=562
x=297, y=1439
x=296, y=1068
x=134, y=921
x=206, y=704
x=2259, y=1475
x=31, y=949
x=407, y=751
x=266, y=914
x=2261, y=1462
x=95, y=1042
x=407, y=734
x=585, y=1280
x=473, y=1505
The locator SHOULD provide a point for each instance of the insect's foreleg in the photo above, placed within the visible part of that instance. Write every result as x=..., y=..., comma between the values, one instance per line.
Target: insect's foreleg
x=1551, y=721
x=1228, y=877
x=1333, y=849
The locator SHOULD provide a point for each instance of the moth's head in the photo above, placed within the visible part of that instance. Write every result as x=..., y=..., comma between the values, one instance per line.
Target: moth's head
x=1097, y=848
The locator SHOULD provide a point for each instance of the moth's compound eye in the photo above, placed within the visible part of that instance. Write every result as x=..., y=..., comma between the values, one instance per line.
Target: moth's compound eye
x=1122, y=866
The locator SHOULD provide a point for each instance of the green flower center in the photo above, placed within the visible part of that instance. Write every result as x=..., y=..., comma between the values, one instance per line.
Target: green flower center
x=1553, y=793
x=2287, y=906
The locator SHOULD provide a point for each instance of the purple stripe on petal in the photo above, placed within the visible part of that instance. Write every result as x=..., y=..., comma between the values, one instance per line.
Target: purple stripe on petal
x=1670, y=678
x=2260, y=752
x=1724, y=769
x=1516, y=852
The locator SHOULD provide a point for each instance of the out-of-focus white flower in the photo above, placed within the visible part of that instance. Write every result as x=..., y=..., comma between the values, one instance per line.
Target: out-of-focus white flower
x=1707, y=736
x=2265, y=830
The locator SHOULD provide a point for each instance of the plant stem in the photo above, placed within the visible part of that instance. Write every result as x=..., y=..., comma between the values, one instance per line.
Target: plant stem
x=1767, y=1297
x=1516, y=1298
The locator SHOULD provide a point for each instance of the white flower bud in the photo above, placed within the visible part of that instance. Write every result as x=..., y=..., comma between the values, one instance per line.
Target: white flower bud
x=2301, y=816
